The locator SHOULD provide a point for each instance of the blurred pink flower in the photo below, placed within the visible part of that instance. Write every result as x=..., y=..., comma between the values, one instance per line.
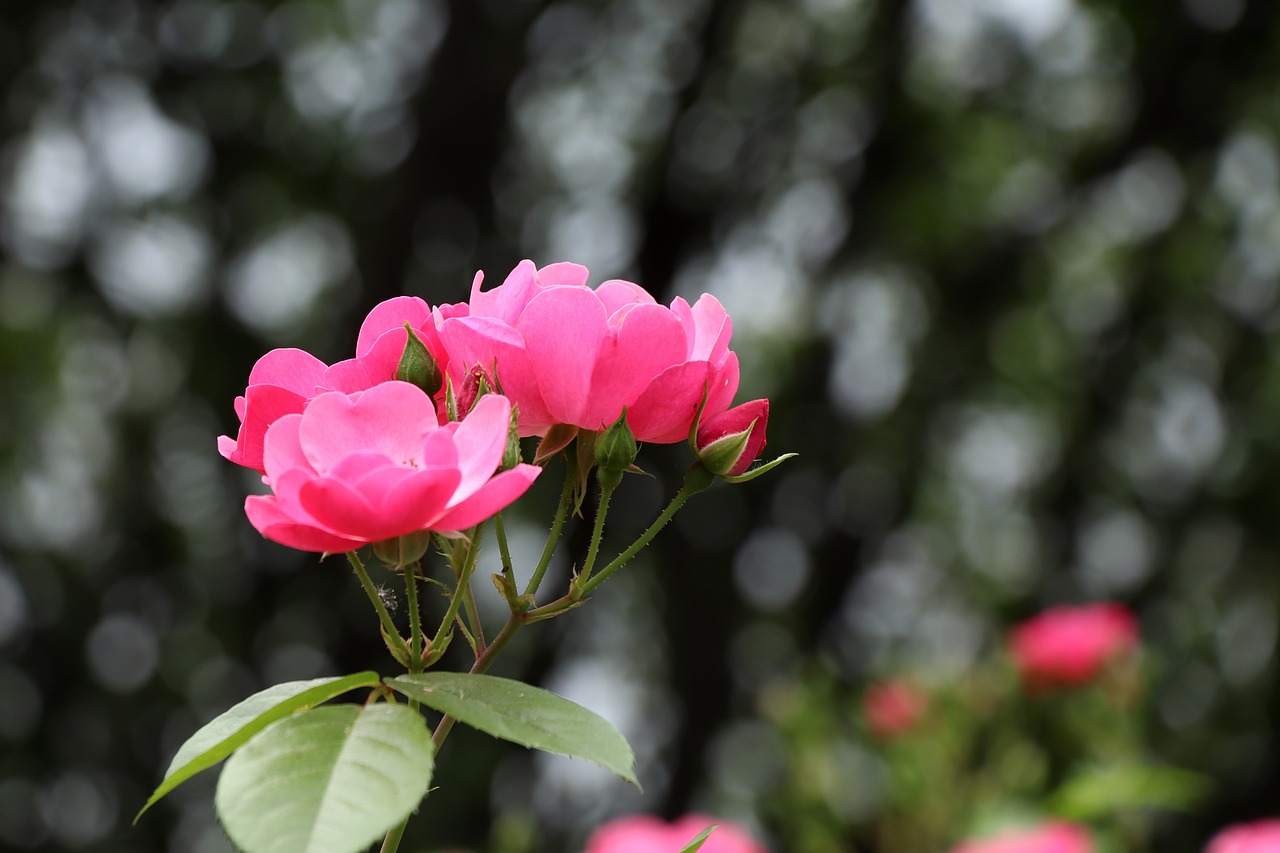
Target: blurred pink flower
x=893, y=707
x=356, y=469
x=1051, y=837
x=729, y=442
x=1067, y=646
x=1262, y=836
x=648, y=834
x=569, y=354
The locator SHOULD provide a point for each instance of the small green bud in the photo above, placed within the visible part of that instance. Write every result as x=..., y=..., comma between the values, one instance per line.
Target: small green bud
x=418, y=366
x=616, y=449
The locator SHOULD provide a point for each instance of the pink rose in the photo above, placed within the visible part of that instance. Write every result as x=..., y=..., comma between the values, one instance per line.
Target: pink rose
x=356, y=469
x=893, y=707
x=648, y=834
x=567, y=354
x=1262, y=836
x=281, y=383
x=284, y=380
x=729, y=442
x=1068, y=646
x=1052, y=837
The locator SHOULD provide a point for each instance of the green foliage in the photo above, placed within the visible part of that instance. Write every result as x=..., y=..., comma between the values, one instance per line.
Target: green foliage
x=1098, y=792
x=328, y=780
x=696, y=844
x=520, y=713
x=230, y=730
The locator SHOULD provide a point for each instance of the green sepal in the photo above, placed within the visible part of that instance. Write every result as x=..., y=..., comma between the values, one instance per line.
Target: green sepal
x=696, y=844
x=512, y=455
x=748, y=476
x=721, y=455
x=581, y=463
x=557, y=438
x=615, y=451
x=450, y=400
x=697, y=419
x=399, y=650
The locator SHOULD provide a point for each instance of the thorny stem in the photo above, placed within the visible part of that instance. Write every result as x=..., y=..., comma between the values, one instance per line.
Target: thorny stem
x=553, y=536
x=415, y=617
x=372, y=591
x=695, y=481
x=463, y=574
x=500, y=531
x=514, y=623
x=597, y=531
x=464, y=584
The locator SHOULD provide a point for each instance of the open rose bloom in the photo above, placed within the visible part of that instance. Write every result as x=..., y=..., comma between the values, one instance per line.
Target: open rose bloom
x=566, y=353
x=1053, y=837
x=356, y=469
x=1261, y=836
x=1069, y=646
x=648, y=834
x=284, y=381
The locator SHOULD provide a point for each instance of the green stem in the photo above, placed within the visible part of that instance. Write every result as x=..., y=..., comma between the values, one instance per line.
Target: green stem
x=500, y=531
x=372, y=591
x=553, y=536
x=514, y=623
x=597, y=532
x=463, y=575
x=464, y=584
x=695, y=481
x=415, y=617
x=482, y=664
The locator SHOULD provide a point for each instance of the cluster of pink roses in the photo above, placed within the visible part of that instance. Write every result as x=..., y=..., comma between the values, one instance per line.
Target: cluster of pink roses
x=403, y=438
x=1060, y=648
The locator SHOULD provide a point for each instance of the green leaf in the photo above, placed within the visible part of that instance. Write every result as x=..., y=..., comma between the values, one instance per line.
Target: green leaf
x=225, y=733
x=1103, y=791
x=328, y=780
x=523, y=714
x=694, y=845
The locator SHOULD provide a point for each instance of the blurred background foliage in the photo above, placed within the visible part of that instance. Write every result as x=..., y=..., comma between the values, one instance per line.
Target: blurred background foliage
x=1008, y=269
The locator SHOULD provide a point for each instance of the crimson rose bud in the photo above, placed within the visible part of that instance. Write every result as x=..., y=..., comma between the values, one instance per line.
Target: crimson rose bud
x=729, y=442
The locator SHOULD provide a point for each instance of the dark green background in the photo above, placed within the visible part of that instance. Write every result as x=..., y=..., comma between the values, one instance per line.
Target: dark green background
x=1007, y=270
